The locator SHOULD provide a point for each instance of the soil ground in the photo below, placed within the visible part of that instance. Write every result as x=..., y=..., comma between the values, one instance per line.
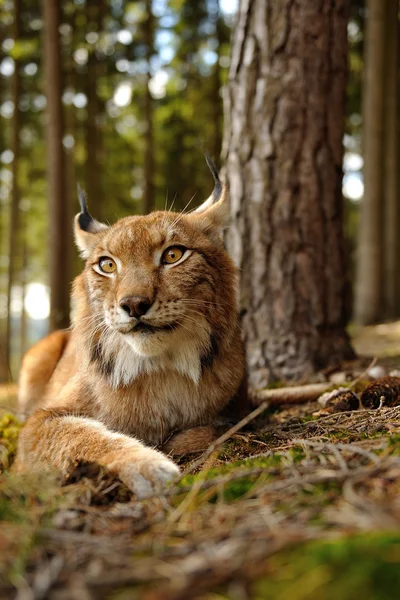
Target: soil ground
x=304, y=503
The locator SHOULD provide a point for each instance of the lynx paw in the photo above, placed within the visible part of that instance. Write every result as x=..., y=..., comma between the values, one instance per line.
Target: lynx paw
x=148, y=473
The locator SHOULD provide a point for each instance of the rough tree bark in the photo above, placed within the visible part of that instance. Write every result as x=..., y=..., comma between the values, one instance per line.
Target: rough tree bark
x=59, y=213
x=284, y=109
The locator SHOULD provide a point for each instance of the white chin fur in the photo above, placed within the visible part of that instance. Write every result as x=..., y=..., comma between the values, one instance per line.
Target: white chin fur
x=179, y=350
x=149, y=344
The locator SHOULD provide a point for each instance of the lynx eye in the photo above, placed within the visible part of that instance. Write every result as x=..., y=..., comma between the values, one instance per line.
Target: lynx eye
x=107, y=265
x=172, y=255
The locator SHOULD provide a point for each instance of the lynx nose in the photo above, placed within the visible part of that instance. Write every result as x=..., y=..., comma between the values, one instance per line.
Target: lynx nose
x=135, y=306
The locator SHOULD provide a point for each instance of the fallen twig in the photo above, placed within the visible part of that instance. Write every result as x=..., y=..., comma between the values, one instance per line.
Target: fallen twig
x=43, y=580
x=291, y=395
x=345, y=447
x=299, y=394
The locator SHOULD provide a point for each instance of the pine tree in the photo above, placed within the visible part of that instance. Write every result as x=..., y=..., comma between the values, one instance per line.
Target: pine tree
x=283, y=148
x=59, y=213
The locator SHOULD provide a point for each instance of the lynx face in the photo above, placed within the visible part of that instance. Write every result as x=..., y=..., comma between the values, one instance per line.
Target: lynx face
x=152, y=278
x=159, y=285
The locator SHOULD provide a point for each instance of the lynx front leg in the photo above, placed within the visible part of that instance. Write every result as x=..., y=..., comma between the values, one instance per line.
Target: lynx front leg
x=57, y=439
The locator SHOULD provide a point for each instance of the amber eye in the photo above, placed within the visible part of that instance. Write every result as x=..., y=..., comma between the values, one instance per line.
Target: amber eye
x=172, y=255
x=107, y=264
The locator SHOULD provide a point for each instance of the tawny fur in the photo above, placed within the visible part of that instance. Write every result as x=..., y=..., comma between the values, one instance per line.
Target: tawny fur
x=37, y=368
x=102, y=391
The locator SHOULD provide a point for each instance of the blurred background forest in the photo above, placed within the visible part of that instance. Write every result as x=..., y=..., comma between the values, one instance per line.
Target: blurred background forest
x=134, y=91
x=141, y=99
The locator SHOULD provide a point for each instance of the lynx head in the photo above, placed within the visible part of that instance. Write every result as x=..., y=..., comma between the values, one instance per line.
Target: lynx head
x=160, y=285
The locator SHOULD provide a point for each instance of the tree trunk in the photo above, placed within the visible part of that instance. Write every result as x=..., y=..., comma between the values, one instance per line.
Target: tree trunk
x=59, y=213
x=148, y=195
x=284, y=110
x=95, y=10
x=72, y=127
x=23, y=334
x=391, y=165
x=368, y=292
x=216, y=86
x=15, y=195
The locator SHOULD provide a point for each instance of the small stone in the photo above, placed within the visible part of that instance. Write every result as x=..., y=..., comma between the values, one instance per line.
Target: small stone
x=338, y=378
x=376, y=372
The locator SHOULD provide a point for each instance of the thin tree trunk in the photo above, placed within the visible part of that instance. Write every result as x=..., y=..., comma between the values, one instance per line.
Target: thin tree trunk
x=23, y=280
x=216, y=81
x=148, y=195
x=15, y=192
x=285, y=112
x=368, y=291
x=392, y=164
x=93, y=170
x=59, y=212
x=72, y=128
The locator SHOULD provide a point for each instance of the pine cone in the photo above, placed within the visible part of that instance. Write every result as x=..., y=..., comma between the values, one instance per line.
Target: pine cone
x=385, y=391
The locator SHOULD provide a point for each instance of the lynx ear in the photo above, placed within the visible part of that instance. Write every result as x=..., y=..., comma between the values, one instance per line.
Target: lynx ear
x=86, y=228
x=214, y=210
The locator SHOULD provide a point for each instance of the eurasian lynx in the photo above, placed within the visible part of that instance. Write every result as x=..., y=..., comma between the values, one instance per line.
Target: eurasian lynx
x=154, y=354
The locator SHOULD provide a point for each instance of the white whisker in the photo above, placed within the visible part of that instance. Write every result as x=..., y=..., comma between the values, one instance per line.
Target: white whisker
x=182, y=213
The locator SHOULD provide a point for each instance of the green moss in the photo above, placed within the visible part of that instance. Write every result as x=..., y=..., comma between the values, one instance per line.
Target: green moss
x=366, y=566
x=340, y=436
x=394, y=444
x=266, y=462
x=9, y=430
x=234, y=490
x=307, y=419
x=297, y=454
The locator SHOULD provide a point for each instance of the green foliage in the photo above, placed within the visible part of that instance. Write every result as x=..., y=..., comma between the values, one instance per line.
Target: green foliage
x=366, y=566
x=394, y=444
x=231, y=490
x=9, y=430
x=24, y=49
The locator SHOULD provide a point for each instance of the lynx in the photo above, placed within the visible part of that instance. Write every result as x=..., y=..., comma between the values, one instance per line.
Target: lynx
x=153, y=358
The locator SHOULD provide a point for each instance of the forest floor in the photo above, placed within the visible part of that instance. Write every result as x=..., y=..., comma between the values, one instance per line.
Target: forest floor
x=304, y=504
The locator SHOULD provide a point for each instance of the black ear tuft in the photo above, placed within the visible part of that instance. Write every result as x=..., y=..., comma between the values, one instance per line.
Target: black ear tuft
x=82, y=197
x=85, y=219
x=214, y=171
